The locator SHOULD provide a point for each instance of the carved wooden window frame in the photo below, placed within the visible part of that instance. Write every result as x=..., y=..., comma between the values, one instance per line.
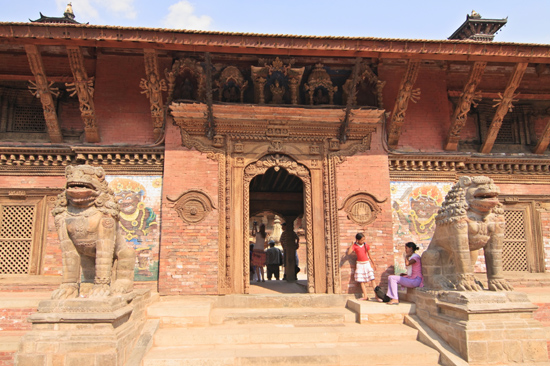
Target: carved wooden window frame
x=39, y=201
x=531, y=207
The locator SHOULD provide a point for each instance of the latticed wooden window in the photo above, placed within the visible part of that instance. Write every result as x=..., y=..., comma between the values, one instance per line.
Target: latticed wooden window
x=515, y=244
x=28, y=118
x=16, y=237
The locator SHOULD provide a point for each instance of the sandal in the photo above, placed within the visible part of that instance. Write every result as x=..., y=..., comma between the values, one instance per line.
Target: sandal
x=393, y=303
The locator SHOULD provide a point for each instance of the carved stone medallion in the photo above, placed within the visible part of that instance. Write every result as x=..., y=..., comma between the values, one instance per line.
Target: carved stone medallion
x=362, y=208
x=192, y=206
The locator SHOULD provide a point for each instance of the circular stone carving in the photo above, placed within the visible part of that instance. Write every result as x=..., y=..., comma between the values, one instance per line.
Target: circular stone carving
x=193, y=206
x=362, y=208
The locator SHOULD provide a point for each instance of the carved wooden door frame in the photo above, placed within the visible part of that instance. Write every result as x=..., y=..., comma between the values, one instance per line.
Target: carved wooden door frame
x=293, y=167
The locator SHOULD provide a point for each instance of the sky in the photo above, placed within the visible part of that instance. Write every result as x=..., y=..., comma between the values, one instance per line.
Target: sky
x=421, y=19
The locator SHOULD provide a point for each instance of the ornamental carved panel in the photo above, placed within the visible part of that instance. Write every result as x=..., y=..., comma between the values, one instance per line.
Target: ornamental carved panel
x=362, y=208
x=192, y=206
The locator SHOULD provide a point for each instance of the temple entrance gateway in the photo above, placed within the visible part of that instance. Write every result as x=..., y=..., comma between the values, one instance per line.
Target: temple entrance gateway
x=281, y=193
x=278, y=183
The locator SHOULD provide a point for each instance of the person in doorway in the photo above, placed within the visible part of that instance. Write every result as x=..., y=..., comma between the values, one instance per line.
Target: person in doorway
x=274, y=258
x=364, y=271
x=413, y=278
x=290, y=242
x=258, y=254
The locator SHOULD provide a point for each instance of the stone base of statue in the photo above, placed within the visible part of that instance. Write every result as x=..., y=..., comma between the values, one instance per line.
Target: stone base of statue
x=84, y=331
x=485, y=327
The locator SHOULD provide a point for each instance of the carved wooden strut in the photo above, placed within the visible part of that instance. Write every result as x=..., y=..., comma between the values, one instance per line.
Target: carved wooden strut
x=153, y=87
x=44, y=91
x=504, y=106
x=83, y=87
x=468, y=97
x=406, y=93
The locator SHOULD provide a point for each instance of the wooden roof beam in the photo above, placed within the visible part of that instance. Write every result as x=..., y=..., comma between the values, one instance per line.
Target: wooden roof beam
x=504, y=105
x=458, y=120
x=84, y=88
x=406, y=93
x=44, y=91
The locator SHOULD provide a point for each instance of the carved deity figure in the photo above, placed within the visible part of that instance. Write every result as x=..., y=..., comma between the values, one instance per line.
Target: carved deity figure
x=153, y=88
x=470, y=218
x=84, y=90
x=87, y=222
x=277, y=91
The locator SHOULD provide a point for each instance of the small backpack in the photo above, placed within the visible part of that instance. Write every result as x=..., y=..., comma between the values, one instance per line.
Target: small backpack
x=381, y=295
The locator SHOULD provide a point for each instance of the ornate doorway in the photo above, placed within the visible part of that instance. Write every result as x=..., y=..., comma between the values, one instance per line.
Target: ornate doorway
x=279, y=166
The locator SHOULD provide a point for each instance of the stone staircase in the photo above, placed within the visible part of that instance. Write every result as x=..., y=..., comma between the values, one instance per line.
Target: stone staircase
x=297, y=329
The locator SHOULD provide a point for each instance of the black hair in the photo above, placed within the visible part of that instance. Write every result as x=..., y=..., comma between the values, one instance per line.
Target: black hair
x=412, y=246
x=359, y=236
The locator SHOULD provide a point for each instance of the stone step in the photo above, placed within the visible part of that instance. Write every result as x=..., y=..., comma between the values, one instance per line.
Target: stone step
x=182, y=311
x=400, y=352
x=277, y=335
x=374, y=312
x=300, y=315
x=282, y=301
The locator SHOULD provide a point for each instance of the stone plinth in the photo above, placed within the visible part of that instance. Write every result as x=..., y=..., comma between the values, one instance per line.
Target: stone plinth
x=84, y=331
x=485, y=327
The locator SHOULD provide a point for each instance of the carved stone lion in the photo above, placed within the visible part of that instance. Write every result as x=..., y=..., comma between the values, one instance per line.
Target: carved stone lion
x=470, y=218
x=87, y=222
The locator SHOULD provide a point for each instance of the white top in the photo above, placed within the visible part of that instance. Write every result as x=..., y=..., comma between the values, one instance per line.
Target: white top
x=260, y=241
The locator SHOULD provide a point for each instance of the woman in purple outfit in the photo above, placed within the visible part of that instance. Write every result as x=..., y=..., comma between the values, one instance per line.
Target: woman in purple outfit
x=413, y=277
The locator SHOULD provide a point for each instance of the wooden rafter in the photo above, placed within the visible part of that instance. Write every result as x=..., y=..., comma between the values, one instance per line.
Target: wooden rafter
x=504, y=105
x=44, y=91
x=544, y=140
x=83, y=87
x=406, y=93
x=153, y=86
x=458, y=120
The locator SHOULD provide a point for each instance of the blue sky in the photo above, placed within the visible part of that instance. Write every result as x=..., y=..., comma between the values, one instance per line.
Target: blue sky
x=430, y=19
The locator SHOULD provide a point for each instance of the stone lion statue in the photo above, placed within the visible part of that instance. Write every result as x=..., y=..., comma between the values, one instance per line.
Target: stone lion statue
x=87, y=222
x=470, y=218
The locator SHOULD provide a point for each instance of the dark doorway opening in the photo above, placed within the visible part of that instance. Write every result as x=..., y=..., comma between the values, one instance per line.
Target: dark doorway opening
x=277, y=197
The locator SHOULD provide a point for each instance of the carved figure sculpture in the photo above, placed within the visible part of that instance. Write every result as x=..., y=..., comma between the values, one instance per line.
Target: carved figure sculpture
x=87, y=222
x=470, y=218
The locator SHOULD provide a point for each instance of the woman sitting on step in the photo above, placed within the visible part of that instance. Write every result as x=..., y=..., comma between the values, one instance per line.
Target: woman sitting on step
x=413, y=278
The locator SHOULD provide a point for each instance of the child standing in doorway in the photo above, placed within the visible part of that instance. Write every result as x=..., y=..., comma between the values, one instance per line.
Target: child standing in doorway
x=364, y=271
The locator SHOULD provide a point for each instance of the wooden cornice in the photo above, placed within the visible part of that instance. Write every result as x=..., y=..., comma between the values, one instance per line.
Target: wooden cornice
x=289, y=45
x=504, y=106
x=48, y=161
x=405, y=94
x=254, y=122
x=435, y=168
x=463, y=106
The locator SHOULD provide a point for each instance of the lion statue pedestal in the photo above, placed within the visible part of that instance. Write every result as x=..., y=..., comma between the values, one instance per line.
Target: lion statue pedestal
x=483, y=327
x=95, y=314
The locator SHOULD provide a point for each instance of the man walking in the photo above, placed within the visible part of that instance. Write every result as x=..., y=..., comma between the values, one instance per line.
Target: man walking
x=274, y=258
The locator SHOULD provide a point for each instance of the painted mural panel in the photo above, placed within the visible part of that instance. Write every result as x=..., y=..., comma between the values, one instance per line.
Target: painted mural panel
x=139, y=198
x=414, y=208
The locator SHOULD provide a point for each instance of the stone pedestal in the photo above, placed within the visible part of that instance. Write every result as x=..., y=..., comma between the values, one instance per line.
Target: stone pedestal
x=485, y=327
x=82, y=332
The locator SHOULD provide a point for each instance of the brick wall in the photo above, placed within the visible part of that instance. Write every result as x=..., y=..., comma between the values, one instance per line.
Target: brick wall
x=365, y=173
x=430, y=115
x=122, y=112
x=189, y=253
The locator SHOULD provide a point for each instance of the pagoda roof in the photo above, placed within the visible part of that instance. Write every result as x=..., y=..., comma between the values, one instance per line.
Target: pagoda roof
x=478, y=29
x=55, y=20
